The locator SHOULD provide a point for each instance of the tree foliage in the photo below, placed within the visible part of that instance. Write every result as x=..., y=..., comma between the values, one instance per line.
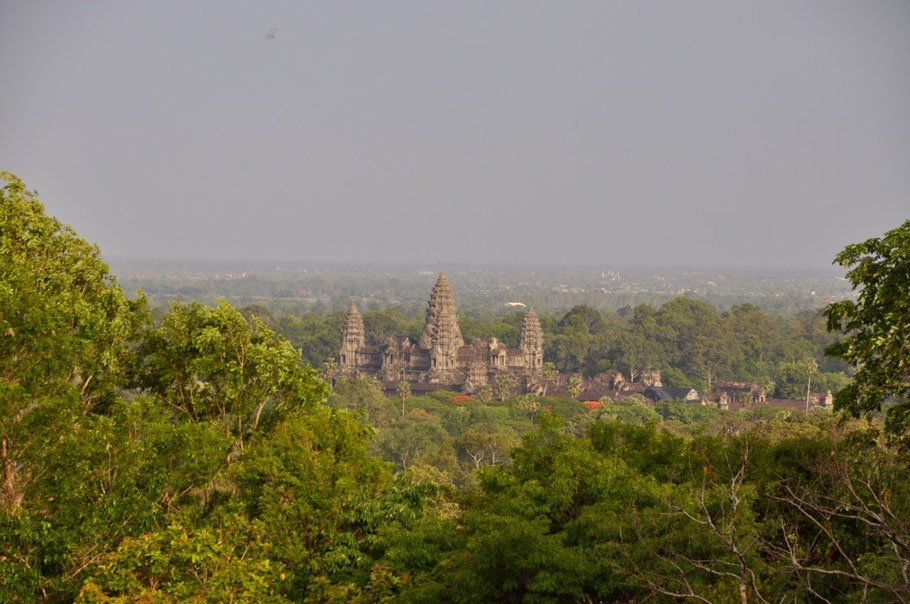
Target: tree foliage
x=877, y=325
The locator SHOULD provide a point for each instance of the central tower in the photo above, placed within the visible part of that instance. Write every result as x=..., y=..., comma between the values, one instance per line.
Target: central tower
x=441, y=335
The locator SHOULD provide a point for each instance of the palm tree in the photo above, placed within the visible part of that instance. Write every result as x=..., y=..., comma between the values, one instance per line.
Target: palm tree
x=547, y=373
x=403, y=390
x=503, y=386
x=575, y=386
x=484, y=394
x=811, y=367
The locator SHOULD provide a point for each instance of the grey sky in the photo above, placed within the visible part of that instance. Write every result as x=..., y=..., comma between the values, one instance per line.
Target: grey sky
x=722, y=133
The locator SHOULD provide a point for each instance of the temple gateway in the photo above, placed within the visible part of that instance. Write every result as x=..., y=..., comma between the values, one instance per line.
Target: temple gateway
x=440, y=358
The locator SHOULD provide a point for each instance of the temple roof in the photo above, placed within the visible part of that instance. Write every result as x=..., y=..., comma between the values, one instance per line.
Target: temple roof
x=353, y=332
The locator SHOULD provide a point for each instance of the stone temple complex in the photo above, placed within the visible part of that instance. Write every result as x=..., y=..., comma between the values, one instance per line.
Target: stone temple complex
x=440, y=357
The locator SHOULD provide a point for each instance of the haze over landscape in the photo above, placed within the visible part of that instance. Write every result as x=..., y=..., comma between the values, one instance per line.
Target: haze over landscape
x=457, y=302
x=708, y=133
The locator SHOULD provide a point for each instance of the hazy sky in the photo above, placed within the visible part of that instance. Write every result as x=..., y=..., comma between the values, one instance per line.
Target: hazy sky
x=722, y=133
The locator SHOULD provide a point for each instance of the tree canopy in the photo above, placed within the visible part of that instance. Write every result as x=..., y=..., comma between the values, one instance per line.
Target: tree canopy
x=877, y=327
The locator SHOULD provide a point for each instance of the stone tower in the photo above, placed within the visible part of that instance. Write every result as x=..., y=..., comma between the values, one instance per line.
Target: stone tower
x=353, y=338
x=442, y=336
x=532, y=340
x=441, y=311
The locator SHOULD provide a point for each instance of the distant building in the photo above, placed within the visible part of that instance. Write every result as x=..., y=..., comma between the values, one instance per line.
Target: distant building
x=742, y=393
x=659, y=393
x=650, y=377
x=611, y=385
x=441, y=358
x=749, y=395
x=822, y=400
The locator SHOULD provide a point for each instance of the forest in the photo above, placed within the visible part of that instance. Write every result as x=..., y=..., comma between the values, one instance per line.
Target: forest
x=197, y=453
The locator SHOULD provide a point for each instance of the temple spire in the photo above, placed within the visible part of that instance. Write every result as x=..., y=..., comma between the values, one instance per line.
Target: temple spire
x=532, y=340
x=442, y=317
x=353, y=337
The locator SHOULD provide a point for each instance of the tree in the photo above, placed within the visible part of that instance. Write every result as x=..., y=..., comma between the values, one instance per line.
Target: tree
x=373, y=383
x=504, y=384
x=211, y=363
x=485, y=444
x=877, y=327
x=628, y=411
x=228, y=563
x=702, y=344
x=851, y=530
x=636, y=351
x=581, y=317
x=529, y=405
x=413, y=439
x=357, y=394
x=484, y=394
x=80, y=468
x=704, y=539
x=547, y=374
x=811, y=367
x=576, y=384
x=329, y=369
x=65, y=326
x=403, y=391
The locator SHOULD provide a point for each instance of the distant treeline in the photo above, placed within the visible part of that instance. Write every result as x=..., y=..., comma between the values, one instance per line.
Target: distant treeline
x=299, y=290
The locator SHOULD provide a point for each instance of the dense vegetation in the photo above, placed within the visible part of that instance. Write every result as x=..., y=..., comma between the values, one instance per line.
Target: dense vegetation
x=194, y=456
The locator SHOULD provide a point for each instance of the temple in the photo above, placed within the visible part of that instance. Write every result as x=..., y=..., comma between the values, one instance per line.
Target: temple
x=440, y=357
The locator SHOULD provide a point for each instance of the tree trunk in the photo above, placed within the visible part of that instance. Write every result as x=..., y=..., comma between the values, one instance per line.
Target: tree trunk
x=808, y=389
x=12, y=495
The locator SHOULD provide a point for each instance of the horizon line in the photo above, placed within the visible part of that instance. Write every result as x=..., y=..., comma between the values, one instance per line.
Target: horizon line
x=466, y=265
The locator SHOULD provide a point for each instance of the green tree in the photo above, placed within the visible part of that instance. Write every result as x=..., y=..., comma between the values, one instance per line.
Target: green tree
x=529, y=405
x=211, y=363
x=701, y=343
x=581, y=317
x=877, y=327
x=66, y=327
x=628, y=412
x=403, y=391
x=504, y=383
x=576, y=384
x=229, y=562
x=357, y=394
x=486, y=445
x=81, y=468
x=636, y=352
x=547, y=375
x=484, y=394
x=329, y=369
x=811, y=367
x=414, y=439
